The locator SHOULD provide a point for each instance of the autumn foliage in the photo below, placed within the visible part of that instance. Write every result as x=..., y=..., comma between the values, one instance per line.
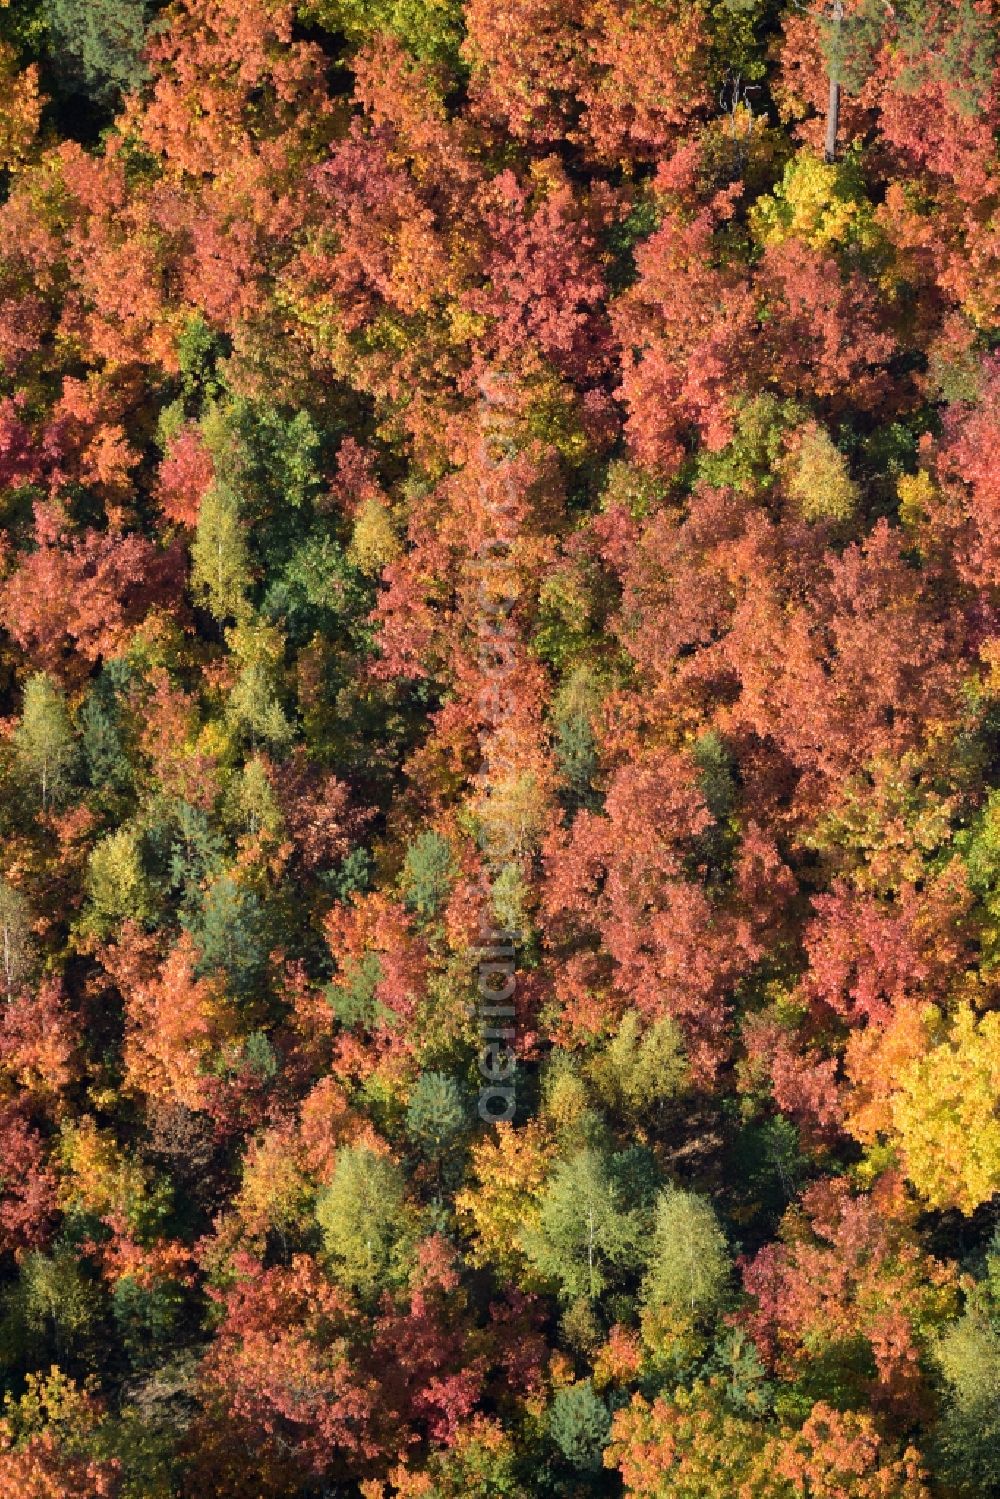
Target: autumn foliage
x=499, y=577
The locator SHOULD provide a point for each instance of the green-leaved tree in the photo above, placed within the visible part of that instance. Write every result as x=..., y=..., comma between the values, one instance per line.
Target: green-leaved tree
x=43, y=740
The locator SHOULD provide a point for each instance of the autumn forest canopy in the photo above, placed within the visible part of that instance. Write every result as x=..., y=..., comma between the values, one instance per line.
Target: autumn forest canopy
x=499, y=749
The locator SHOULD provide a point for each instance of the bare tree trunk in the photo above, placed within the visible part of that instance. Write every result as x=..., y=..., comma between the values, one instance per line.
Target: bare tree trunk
x=833, y=107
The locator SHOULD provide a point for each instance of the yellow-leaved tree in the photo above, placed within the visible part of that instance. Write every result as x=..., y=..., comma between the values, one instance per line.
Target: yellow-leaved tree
x=944, y=1112
x=923, y=1092
x=508, y=1171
